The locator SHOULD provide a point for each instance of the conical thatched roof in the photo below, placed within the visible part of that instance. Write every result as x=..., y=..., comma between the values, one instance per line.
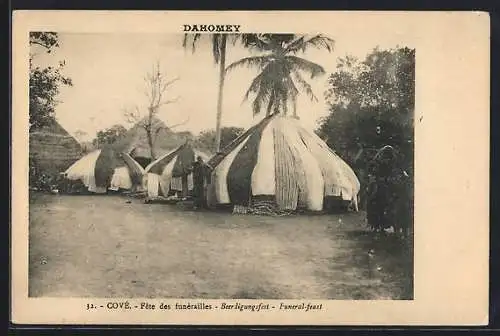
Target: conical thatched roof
x=52, y=149
x=278, y=158
x=169, y=169
x=135, y=141
x=105, y=169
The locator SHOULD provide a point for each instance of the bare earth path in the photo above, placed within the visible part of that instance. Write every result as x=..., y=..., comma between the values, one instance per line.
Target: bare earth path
x=102, y=246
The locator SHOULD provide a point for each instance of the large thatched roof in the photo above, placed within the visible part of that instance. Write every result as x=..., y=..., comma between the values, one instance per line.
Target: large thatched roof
x=279, y=158
x=105, y=169
x=135, y=141
x=52, y=149
x=169, y=169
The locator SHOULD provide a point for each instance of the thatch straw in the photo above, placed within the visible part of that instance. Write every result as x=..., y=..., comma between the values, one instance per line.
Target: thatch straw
x=287, y=183
x=279, y=158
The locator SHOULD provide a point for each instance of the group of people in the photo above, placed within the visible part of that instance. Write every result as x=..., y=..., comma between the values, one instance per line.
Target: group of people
x=389, y=203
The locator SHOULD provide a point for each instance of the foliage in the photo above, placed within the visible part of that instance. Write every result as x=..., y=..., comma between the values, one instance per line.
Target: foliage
x=41, y=178
x=218, y=42
x=372, y=105
x=206, y=139
x=44, y=83
x=109, y=136
x=281, y=70
x=386, y=80
x=371, y=102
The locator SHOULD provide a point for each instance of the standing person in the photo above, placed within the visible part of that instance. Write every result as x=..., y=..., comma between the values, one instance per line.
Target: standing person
x=371, y=203
x=200, y=173
x=403, y=204
x=382, y=190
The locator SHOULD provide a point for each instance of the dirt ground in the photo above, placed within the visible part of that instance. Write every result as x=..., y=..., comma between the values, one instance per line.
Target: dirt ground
x=113, y=246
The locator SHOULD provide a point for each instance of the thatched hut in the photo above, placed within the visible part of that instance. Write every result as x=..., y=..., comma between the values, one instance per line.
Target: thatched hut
x=105, y=170
x=278, y=161
x=170, y=173
x=52, y=149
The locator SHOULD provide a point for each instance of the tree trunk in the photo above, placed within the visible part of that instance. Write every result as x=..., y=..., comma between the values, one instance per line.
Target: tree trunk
x=222, y=73
x=270, y=105
x=151, y=147
x=149, y=132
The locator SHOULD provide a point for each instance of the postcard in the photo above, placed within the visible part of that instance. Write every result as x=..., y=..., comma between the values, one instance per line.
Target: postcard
x=250, y=168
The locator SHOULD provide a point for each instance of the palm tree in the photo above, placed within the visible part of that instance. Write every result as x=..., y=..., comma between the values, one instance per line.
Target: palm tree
x=281, y=70
x=219, y=46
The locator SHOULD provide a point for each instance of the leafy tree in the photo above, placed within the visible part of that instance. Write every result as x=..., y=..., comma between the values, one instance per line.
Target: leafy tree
x=371, y=105
x=206, y=139
x=44, y=83
x=109, y=136
x=281, y=70
x=385, y=79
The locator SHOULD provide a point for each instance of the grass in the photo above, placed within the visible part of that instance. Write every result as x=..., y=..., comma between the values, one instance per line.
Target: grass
x=112, y=246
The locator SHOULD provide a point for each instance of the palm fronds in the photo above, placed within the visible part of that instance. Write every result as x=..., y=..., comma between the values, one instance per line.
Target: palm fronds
x=307, y=66
x=249, y=62
x=280, y=71
x=304, y=85
x=194, y=39
x=319, y=41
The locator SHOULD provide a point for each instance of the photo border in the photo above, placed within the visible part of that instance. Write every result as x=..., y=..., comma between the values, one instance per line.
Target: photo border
x=490, y=316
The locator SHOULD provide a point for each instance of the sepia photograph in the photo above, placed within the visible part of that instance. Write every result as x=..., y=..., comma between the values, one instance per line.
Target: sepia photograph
x=244, y=166
x=217, y=163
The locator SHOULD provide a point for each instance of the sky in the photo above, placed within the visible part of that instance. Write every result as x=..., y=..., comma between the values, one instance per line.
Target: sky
x=108, y=70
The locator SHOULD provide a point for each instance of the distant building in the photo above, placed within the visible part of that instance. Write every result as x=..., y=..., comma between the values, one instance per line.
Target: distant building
x=52, y=149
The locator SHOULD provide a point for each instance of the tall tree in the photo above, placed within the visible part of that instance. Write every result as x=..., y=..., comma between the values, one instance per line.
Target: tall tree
x=371, y=102
x=219, y=44
x=371, y=105
x=156, y=87
x=44, y=83
x=281, y=70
